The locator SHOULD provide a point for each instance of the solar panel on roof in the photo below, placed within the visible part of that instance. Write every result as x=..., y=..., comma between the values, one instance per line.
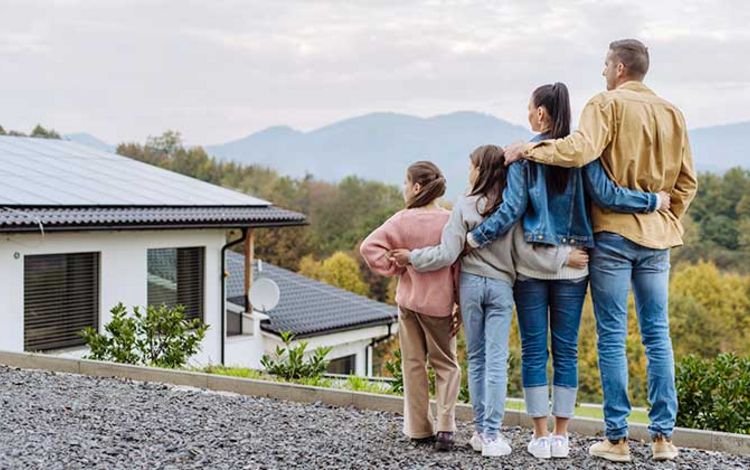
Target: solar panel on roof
x=58, y=172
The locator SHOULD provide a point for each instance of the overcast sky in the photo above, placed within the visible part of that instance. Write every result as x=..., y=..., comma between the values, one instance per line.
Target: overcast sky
x=123, y=70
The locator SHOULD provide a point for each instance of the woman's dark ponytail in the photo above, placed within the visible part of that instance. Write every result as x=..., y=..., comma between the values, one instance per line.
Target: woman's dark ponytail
x=560, y=111
x=556, y=100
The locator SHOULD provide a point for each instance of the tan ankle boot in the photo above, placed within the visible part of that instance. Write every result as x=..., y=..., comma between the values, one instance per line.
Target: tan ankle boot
x=663, y=449
x=616, y=452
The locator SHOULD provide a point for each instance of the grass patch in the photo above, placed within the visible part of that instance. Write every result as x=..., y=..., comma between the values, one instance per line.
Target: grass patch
x=361, y=384
x=247, y=373
x=242, y=372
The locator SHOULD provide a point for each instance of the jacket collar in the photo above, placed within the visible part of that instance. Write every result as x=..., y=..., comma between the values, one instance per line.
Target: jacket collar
x=634, y=85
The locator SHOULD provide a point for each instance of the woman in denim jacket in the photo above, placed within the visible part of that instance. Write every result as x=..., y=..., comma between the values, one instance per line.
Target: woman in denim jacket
x=553, y=202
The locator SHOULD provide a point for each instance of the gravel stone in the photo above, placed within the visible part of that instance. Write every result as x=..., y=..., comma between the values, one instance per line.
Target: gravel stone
x=63, y=421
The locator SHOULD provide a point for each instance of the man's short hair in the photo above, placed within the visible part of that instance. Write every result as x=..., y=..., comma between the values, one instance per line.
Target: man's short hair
x=634, y=56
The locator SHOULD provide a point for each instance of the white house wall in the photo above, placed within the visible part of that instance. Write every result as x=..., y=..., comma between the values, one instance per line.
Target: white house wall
x=123, y=265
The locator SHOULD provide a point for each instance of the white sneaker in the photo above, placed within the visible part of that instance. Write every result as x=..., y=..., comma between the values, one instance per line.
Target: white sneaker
x=560, y=446
x=539, y=447
x=477, y=441
x=495, y=447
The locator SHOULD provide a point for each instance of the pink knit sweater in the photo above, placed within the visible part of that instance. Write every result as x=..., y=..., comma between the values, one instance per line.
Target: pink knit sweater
x=430, y=293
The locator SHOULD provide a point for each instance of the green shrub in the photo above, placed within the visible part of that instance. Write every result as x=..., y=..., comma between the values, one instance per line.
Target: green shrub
x=714, y=393
x=160, y=337
x=393, y=367
x=290, y=363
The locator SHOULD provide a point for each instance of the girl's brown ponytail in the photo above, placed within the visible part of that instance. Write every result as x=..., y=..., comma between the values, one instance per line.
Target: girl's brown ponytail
x=431, y=181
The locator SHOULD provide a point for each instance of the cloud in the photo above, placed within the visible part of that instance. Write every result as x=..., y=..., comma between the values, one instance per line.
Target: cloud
x=219, y=70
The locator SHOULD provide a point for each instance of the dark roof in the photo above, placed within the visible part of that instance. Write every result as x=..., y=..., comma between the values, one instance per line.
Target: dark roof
x=308, y=307
x=22, y=219
x=49, y=184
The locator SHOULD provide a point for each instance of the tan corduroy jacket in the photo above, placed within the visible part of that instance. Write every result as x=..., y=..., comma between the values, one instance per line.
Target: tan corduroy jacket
x=643, y=143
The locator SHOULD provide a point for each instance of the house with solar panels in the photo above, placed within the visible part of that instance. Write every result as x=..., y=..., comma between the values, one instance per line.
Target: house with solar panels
x=82, y=230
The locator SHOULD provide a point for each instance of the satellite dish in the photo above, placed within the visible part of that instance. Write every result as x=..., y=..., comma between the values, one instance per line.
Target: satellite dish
x=264, y=295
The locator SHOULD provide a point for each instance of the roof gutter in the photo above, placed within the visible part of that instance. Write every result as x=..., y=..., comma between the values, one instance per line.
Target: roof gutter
x=355, y=326
x=140, y=226
x=223, y=311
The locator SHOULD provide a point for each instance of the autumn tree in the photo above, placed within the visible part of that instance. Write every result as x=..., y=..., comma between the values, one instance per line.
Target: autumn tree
x=340, y=270
x=709, y=311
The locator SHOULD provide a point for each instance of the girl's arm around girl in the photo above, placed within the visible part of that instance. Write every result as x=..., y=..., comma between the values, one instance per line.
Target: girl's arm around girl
x=451, y=244
x=510, y=211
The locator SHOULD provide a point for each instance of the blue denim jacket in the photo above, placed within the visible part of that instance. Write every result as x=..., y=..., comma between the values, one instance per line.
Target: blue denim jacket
x=553, y=218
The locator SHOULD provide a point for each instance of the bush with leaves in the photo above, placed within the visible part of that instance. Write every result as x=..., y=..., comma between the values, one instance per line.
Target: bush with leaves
x=289, y=362
x=161, y=336
x=393, y=368
x=714, y=393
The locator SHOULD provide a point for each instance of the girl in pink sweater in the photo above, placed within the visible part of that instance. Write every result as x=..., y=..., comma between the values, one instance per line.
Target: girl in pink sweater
x=426, y=304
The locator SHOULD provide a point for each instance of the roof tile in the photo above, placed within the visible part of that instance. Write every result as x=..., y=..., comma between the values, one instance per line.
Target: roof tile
x=308, y=307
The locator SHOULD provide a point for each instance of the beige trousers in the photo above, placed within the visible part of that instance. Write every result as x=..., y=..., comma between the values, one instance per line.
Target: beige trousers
x=424, y=338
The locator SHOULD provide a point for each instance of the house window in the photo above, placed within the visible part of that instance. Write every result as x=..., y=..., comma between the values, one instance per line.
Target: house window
x=175, y=277
x=344, y=365
x=60, y=298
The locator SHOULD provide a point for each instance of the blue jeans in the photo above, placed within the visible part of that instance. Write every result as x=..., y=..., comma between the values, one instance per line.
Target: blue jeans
x=615, y=264
x=487, y=309
x=542, y=306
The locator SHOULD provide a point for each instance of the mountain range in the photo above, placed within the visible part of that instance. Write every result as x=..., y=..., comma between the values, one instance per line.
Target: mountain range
x=379, y=146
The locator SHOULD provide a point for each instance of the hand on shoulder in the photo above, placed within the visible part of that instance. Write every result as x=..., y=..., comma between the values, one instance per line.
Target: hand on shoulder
x=514, y=152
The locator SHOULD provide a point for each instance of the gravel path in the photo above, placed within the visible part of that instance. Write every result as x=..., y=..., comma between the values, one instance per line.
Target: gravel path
x=56, y=421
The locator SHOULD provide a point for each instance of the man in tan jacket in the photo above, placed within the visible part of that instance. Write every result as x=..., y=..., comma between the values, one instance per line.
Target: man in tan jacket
x=643, y=144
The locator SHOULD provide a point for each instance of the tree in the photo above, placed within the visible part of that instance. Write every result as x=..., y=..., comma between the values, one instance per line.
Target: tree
x=743, y=227
x=168, y=142
x=710, y=311
x=2, y=131
x=340, y=270
x=721, y=230
x=311, y=268
x=42, y=133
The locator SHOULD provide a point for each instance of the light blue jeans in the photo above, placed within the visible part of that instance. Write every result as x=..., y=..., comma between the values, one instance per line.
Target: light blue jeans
x=487, y=309
x=616, y=264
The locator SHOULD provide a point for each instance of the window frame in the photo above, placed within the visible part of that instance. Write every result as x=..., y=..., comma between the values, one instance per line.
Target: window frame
x=200, y=274
x=37, y=297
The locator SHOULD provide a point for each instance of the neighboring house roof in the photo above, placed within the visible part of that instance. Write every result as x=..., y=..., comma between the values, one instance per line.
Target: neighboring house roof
x=65, y=185
x=308, y=307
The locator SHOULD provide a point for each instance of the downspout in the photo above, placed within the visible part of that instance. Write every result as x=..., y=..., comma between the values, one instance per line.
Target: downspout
x=224, y=275
x=375, y=342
